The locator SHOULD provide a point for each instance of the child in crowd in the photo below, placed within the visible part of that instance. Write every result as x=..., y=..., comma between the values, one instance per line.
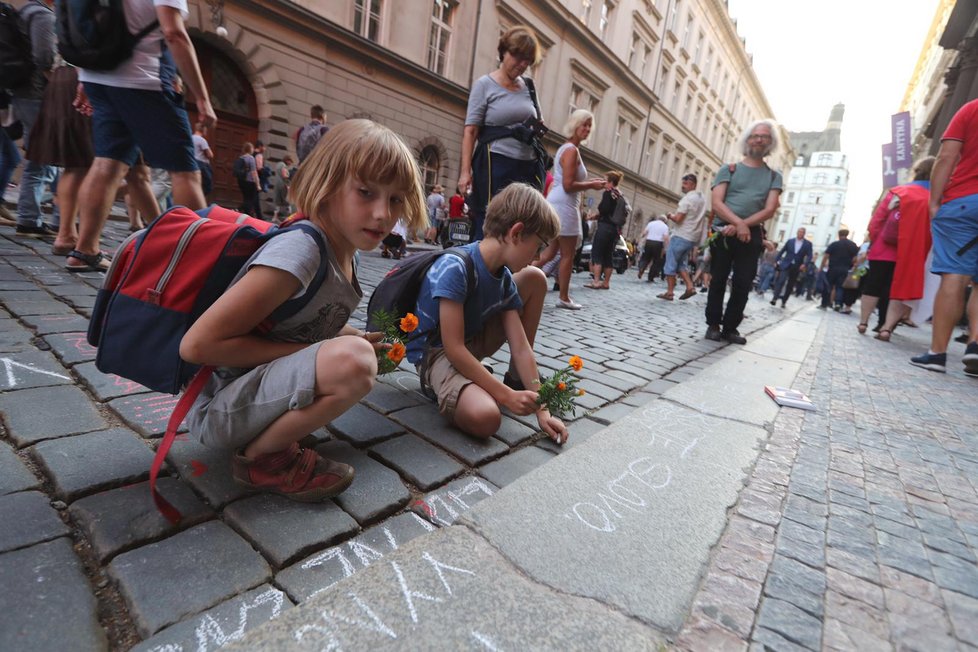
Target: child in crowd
x=505, y=306
x=273, y=386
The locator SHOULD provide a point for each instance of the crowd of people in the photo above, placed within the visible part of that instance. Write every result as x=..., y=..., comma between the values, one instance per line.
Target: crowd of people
x=359, y=186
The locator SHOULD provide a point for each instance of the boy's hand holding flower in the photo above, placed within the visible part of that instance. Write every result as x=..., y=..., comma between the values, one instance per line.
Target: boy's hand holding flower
x=390, y=339
x=556, y=397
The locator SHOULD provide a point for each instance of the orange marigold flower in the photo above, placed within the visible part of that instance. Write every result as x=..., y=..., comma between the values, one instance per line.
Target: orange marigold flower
x=396, y=353
x=561, y=386
x=580, y=392
x=576, y=363
x=409, y=322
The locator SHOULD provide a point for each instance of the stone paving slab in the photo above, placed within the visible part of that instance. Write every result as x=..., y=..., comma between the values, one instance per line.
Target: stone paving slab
x=28, y=518
x=443, y=506
x=14, y=475
x=220, y=625
x=97, y=460
x=67, y=411
x=376, y=492
x=580, y=431
x=362, y=426
x=428, y=423
x=207, y=470
x=45, y=324
x=121, y=519
x=418, y=461
x=31, y=368
x=71, y=348
x=147, y=414
x=185, y=574
x=47, y=602
x=42, y=306
x=734, y=386
x=107, y=386
x=13, y=337
x=650, y=493
x=507, y=469
x=322, y=570
x=284, y=530
x=386, y=398
x=449, y=591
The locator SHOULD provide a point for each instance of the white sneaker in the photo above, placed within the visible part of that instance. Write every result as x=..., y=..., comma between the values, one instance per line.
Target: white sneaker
x=570, y=305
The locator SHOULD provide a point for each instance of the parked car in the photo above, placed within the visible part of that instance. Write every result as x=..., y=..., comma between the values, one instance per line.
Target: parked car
x=619, y=259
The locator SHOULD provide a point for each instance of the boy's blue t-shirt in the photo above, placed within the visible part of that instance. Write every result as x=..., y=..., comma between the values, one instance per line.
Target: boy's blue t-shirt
x=446, y=279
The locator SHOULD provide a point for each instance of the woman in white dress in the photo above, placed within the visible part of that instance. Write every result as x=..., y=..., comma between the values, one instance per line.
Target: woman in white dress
x=570, y=179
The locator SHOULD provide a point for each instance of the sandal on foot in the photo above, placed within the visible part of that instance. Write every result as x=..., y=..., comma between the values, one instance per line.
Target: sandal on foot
x=862, y=328
x=687, y=294
x=665, y=295
x=884, y=335
x=592, y=286
x=93, y=262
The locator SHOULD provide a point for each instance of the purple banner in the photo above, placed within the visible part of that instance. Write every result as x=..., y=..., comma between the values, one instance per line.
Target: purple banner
x=889, y=169
x=900, y=137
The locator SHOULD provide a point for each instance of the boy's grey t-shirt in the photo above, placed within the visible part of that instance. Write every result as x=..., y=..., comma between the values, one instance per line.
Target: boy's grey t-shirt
x=326, y=313
x=747, y=189
x=491, y=105
x=447, y=278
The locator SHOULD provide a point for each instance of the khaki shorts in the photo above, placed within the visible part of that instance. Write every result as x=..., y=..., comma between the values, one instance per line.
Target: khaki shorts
x=444, y=379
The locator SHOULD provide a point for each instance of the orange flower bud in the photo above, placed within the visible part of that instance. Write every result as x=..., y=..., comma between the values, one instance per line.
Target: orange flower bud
x=576, y=363
x=561, y=386
x=580, y=392
x=396, y=353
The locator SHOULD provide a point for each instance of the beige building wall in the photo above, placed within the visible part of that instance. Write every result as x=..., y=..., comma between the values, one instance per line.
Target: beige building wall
x=669, y=81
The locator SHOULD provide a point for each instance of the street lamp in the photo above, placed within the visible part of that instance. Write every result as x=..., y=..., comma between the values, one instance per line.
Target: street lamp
x=217, y=17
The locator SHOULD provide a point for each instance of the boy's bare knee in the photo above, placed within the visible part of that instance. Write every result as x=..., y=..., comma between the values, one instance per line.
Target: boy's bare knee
x=531, y=278
x=479, y=421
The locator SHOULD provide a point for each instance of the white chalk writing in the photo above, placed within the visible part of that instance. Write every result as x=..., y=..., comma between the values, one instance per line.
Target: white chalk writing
x=9, y=366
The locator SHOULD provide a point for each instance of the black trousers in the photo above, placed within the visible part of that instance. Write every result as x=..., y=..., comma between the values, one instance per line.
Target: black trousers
x=250, y=201
x=791, y=276
x=651, y=254
x=735, y=260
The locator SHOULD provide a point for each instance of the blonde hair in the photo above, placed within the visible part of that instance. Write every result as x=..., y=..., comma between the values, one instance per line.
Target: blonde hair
x=576, y=119
x=520, y=41
x=614, y=176
x=367, y=151
x=247, y=148
x=520, y=202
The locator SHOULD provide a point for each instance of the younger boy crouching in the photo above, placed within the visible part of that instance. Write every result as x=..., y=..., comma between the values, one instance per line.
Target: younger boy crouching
x=505, y=306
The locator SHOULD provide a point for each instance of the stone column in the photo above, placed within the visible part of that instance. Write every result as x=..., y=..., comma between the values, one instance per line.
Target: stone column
x=962, y=84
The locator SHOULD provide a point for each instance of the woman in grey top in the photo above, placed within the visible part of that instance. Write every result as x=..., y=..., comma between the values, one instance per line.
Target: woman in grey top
x=500, y=141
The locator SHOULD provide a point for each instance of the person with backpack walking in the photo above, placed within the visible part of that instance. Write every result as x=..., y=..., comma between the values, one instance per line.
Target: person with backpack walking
x=32, y=54
x=309, y=135
x=277, y=383
x=745, y=195
x=128, y=72
x=462, y=320
x=606, y=233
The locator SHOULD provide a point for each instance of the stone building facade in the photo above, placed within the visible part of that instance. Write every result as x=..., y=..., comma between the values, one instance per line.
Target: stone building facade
x=815, y=190
x=669, y=81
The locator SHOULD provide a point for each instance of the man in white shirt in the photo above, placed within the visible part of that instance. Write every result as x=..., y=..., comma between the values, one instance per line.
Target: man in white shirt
x=655, y=235
x=127, y=120
x=687, y=233
x=203, y=155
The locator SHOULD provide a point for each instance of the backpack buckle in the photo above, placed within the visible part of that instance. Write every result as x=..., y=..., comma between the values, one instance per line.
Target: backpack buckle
x=153, y=296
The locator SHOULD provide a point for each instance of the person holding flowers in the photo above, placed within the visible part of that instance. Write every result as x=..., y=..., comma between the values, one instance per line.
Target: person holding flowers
x=457, y=330
x=275, y=385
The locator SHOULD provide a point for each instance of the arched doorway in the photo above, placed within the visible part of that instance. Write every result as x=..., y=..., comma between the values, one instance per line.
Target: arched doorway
x=237, y=117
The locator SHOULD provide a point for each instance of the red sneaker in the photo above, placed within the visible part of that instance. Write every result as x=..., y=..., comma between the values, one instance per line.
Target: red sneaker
x=296, y=473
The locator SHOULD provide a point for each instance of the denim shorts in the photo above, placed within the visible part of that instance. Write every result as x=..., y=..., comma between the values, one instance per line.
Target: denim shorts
x=677, y=254
x=127, y=120
x=954, y=226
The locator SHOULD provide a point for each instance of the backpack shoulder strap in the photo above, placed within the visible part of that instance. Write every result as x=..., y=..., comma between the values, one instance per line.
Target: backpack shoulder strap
x=531, y=87
x=469, y=268
x=292, y=307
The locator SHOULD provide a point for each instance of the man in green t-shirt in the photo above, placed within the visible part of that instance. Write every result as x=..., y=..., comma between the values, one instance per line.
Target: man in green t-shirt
x=744, y=196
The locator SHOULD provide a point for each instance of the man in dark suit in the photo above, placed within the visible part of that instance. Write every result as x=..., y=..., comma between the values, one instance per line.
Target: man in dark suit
x=793, y=259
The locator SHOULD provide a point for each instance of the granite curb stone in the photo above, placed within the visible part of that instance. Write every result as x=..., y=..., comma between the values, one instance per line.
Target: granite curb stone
x=28, y=518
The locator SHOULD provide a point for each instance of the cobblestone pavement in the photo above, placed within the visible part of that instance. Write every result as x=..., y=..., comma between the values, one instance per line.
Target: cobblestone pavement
x=858, y=529
x=85, y=557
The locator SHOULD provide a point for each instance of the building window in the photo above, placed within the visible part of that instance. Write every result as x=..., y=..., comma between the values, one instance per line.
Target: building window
x=791, y=198
x=648, y=156
x=441, y=32
x=582, y=98
x=585, y=14
x=811, y=219
x=820, y=178
x=677, y=91
x=606, y=10
x=824, y=159
x=430, y=164
x=674, y=18
x=366, y=18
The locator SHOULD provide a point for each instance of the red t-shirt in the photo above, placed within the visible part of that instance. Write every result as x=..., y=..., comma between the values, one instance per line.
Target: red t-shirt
x=964, y=127
x=455, y=204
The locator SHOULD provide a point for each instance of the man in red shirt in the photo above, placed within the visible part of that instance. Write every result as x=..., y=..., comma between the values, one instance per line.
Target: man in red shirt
x=954, y=226
x=456, y=205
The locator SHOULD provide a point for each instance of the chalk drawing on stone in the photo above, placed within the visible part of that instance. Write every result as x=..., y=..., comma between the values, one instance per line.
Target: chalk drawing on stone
x=445, y=507
x=9, y=365
x=622, y=496
x=485, y=641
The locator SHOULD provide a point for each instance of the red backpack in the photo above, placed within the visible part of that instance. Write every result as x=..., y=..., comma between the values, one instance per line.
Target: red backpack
x=161, y=280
